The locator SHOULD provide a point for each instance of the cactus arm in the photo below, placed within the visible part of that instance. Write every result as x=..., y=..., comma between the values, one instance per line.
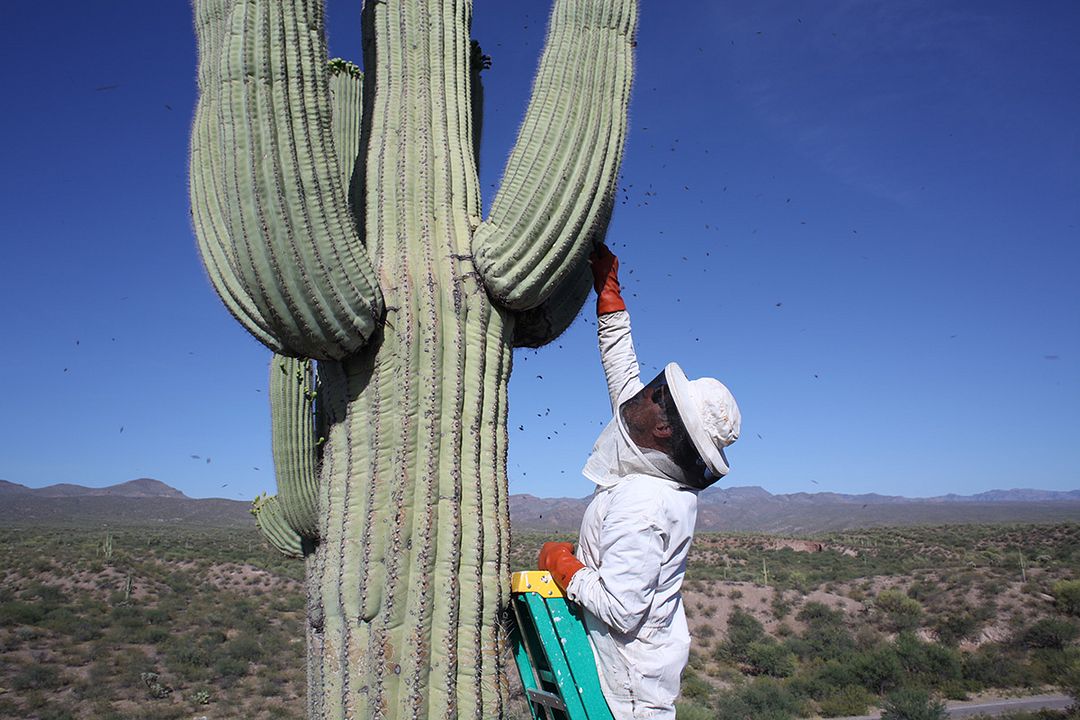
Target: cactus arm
x=542, y=324
x=271, y=522
x=282, y=247
x=346, y=103
x=555, y=196
x=292, y=398
x=209, y=215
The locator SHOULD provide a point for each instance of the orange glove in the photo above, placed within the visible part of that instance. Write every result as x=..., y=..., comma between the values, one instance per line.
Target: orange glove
x=605, y=272
x=558, y=559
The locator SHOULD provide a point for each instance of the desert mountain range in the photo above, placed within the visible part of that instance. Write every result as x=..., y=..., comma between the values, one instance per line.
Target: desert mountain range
x=750, y=509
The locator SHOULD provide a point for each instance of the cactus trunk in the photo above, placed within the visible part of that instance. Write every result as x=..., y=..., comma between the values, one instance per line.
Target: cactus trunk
x=410, y=571
x=345, y=226
x=410, y=576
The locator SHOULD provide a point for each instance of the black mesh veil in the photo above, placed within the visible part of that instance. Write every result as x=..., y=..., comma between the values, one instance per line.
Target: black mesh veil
x=638, y=414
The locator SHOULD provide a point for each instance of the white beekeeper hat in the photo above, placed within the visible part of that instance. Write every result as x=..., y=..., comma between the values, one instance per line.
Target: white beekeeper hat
x=710, y=414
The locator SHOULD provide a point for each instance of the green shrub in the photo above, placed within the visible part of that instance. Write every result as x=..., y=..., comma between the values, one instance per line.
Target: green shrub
x=148, y=635
x=769, y=658
x=898, y=611
x=953, y=689
x=37, y=676
x=953, y=627
x=229, y=668
x=823, y=640
x=15, y=612
x=211, y=640
x=1049, y=633
x=48, y=597
x=1048, y=666
x=186, y=659
x=742, y=629
x=179, y=583
x=763, y=699
x=994, y=666
x=1067, y=596
x=128, y=616
x=912, y=704
x=811, y=682
x=158, y=615
x=1070, y=685
x=797, y=581
x=694, y=688
x=780, y=606
x=55, y=712
x=929, y=662
x=924, y=591
x=269, y=687
x=816, y=613
x=848, y=700
x=879, y=670
x=822, y=679
x=693, y=711
x=61, y=621
x=244, y=647
x=704, y=631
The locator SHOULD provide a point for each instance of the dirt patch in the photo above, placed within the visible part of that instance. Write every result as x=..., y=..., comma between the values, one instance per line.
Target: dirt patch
x=99, y=584
x=244, y=578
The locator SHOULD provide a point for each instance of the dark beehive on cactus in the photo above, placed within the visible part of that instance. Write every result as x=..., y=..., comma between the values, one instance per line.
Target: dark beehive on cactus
x=339, y=220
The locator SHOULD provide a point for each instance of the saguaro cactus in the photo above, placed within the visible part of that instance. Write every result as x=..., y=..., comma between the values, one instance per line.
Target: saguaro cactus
x=345, y=226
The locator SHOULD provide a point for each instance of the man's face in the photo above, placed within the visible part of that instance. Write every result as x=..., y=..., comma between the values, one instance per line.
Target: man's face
x=644, y=416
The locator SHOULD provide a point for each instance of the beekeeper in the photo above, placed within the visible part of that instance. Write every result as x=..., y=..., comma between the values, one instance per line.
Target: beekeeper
x=664, y=444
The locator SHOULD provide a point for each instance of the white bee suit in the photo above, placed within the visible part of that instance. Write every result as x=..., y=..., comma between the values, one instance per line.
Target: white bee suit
x=634, y=540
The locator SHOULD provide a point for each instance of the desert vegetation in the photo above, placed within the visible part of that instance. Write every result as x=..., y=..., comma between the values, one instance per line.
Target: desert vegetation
x=172, y=622
x=892, y=618
x=139, y=623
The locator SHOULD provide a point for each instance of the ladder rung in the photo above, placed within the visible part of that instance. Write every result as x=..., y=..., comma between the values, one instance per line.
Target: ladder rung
x=542, y=697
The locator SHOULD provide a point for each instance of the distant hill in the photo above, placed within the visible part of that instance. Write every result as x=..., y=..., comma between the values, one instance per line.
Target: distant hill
x=143, y=501
x=751, y=509
x=1022, y=495
x=754, y=509
x=140, y=487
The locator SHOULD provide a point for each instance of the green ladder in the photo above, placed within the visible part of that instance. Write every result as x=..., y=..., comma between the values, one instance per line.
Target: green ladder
x=554, y=658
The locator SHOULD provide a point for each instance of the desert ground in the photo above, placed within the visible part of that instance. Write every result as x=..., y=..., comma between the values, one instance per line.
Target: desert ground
x=180, y=622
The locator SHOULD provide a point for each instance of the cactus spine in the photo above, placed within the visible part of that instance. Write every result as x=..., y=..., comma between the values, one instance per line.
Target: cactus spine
x=345, y=226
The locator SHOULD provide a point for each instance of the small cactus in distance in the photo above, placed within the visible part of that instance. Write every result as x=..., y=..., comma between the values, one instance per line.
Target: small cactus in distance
x=129, y=585
x=339, y=219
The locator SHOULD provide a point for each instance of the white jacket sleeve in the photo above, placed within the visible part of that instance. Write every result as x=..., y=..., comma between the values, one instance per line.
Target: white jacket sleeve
x=617, y=356
x=620, y=591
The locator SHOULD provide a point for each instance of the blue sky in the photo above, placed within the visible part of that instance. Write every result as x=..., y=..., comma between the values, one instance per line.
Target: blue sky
x=862, y=216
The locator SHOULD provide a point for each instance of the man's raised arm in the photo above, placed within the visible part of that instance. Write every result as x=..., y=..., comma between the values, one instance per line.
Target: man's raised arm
x=613, y=328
